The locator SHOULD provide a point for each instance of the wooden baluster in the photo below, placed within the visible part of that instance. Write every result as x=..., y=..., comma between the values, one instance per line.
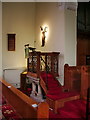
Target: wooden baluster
x=46, y=62
x=52, y=64
x=43, y=111
x=38, y=64
x=28, y=64
x=32, y=63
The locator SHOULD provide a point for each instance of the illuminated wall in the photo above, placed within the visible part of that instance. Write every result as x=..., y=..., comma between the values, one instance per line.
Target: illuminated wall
x=62, y=33
x=70, y=37
x=25, y=19
x=18, y=18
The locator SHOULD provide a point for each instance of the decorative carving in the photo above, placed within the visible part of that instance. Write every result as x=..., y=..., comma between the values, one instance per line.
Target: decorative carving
x=55, y=64
x=47, y=62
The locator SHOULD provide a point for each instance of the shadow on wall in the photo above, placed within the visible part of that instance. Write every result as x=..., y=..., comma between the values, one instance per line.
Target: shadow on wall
x=61, y=69
x=12, y=76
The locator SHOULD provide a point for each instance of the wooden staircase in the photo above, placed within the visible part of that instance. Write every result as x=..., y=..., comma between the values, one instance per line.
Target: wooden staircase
x=56, y=95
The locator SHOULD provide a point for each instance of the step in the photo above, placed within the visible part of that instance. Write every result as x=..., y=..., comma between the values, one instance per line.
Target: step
x=74, y=107
x=63, y=95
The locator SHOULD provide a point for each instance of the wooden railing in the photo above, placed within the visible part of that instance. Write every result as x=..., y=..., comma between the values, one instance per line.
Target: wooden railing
x=43, y=61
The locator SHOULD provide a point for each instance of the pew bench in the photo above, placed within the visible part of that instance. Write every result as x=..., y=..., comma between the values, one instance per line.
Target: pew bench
x=25, y=106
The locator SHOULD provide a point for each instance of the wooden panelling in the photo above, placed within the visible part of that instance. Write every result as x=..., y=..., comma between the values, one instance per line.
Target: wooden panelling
x=83, y=48
x=23, y=80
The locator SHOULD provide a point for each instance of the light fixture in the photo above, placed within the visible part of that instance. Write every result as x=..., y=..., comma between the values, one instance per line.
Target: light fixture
x=44, y=30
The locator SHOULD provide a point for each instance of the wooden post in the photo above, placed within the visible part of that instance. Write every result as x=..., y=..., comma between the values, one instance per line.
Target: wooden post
x=43, y=111
x=38, y=64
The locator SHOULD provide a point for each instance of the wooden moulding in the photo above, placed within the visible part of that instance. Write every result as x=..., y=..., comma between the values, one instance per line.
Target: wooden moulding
x=32, y=74
x=23, y=104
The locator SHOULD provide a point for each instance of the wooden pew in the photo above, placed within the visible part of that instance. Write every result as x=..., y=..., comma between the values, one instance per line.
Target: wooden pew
x=85, y=80
x=23, y=104
x=72, y=77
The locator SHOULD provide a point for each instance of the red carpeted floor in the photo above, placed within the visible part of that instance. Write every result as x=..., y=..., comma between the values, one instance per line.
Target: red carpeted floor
x=8, y=112
x=55, y=91
x=72, y=109
x=75, y=109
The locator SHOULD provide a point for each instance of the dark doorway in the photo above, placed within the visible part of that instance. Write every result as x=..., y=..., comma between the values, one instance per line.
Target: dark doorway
x=83, y=33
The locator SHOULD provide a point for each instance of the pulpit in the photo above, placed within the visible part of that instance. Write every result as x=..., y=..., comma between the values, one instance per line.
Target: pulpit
x=38, y=62
x=43, y=61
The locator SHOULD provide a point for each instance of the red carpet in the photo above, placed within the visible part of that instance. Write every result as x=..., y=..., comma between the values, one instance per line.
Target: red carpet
x=72, y=109
x=55, y=91
x=27, y=91
x=8, y=111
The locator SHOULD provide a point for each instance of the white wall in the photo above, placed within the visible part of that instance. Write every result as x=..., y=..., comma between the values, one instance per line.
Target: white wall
x=18, y=18
x=12, y=76
x=25, y=20
x=62, y=36
x=49, y=14
x=0, y=39
x=70, y=37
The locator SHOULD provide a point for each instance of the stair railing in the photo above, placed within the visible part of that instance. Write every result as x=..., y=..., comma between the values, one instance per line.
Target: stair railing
x=42, y=61
x=46, y=70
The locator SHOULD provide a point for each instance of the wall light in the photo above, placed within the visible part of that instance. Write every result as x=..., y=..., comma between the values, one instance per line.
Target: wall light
x=44, y=30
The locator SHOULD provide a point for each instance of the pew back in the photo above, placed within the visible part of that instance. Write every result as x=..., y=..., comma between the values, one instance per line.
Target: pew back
x=72, y=77
x=23, y=104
